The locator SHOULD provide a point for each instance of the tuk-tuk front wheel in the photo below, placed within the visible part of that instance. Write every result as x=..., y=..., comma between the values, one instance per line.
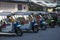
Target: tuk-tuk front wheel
x=59, y=24
x=35, y=29
x=52, y=25
x=43, y=27
x=19, y=32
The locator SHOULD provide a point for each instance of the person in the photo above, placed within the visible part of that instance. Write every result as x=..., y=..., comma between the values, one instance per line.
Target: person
x=23, y=21
x=8, y=19
x=30, y=18
x=11, y=19
x=3, y=25
x=39, y=18
x=40, y=21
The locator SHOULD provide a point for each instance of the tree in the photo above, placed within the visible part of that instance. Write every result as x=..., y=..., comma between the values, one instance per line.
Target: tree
x=35, y=7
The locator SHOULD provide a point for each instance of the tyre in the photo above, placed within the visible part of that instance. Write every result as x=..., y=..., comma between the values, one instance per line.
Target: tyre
x=43, y=27
x=19, y=32
x=52, y=25
x=59, y=24
x=35, y=29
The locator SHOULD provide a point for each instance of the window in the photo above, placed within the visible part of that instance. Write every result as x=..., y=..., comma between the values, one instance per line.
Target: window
x=24, y=7
x=7, y=6
x=19, y=7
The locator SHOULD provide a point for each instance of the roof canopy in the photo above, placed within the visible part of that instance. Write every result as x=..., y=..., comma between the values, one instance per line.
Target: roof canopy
x=5, y=13
x=30, y=13
x=13, y=0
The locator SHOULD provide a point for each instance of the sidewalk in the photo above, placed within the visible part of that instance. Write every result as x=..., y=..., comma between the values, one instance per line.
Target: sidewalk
x=2, y=33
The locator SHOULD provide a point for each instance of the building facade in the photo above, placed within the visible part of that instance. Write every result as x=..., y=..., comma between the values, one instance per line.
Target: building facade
x=48, y=0
x=13, y=5
x=58, y=3
x=58, y=6
x=47, y=4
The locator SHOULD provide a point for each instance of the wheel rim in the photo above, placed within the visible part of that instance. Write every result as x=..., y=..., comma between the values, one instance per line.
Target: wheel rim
x=19, y=32
x=35, y=29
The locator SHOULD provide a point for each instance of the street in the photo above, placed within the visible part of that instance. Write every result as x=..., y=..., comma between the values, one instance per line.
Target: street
x=49, y=34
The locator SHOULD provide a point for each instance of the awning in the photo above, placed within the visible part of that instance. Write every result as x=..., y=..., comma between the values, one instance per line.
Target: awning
x=13, y=0
x=43, y=3
x=57, y=8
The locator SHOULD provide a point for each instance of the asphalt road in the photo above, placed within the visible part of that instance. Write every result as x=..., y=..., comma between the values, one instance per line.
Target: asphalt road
x=49, y=34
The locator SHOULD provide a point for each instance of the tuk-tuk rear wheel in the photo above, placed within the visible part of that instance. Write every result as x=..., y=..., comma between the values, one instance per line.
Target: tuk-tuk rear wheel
x=35, y=29
x=19, y=32
x=52, y=25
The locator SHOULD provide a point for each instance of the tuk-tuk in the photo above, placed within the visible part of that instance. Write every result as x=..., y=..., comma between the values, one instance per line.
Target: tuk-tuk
x=51, y=19
x=47, y=18
x=7, y=26
x=55, y=16
x=27, y=21
x=40, y=20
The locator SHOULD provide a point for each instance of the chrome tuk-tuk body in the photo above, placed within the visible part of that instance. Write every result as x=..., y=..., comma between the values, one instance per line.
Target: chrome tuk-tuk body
x=7, y=27
x=26, y=21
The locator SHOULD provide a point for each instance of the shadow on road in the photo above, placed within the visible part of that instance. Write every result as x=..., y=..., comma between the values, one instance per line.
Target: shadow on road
x=8, y=36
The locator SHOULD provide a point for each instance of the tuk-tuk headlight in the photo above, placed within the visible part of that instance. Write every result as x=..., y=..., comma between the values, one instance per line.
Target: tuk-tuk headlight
x=18, y=25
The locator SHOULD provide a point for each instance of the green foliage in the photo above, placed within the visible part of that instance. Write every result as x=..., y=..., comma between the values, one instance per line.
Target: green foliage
x=35, y=8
